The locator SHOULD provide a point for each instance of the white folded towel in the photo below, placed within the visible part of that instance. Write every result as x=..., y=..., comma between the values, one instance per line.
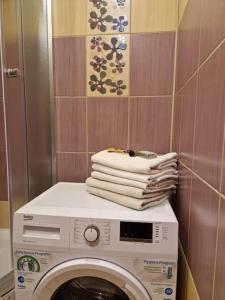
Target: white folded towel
x=125, y=200
x=134, y=164
x=125, y=190
x=154, y=174
x=133, y=183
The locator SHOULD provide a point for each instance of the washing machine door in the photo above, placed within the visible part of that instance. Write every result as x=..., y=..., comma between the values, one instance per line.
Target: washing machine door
x=89, y=279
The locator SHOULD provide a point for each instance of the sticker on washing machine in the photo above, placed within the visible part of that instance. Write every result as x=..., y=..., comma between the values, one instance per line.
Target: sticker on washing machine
x=29, y=267
x=156, y=271
x=31, y=261
x=159, y=277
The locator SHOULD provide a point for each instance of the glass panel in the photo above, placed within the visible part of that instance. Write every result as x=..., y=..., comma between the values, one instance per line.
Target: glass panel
x=89, y=288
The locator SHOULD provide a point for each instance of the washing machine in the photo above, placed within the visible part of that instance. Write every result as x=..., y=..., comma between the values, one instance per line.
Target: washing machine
x=71, y=245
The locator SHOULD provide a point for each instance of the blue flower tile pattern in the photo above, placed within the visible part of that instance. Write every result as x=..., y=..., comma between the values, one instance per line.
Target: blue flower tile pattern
x=121, y=2
x=119, y=24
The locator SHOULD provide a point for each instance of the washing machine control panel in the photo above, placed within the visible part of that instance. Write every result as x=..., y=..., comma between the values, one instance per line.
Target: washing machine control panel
x=119, y=235
x=91, y=232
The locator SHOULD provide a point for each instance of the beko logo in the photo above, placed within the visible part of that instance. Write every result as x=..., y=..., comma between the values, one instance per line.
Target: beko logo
x=28, y=217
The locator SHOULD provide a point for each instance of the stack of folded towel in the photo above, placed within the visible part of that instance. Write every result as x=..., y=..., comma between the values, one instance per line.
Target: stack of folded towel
x=134, y=182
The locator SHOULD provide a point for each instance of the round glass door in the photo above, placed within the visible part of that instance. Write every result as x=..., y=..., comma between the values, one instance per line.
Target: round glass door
x=86, y=288
x=89, y=279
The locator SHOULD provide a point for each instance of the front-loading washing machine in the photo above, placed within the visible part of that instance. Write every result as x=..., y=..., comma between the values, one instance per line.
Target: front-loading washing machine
x=71, y=245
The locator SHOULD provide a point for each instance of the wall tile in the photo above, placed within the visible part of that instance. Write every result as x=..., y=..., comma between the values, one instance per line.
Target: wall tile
x=107, y=123
x=202, y=237
x=220, y=266
x=186, y=289
x=69, y=66
x=182, y=205
x=191, y=291
x=115, y=17
x=3, y=177
x=1, y=92
x=187, y=122
x=2, y=127
x=188, y=42
x=182, y=6
x=4, y=214
x=212, y=26
x=69, y=17
x=71, y=167
x=150, y=122
x=210, y=116
x=177, y=122
x=182, y=275
x=108, y=65
x=223, y=168
x=71, y=125
x=89, y=165
x=156, y=16
x=152, y=61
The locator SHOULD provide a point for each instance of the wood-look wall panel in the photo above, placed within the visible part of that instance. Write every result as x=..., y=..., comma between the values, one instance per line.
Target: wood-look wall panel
x=153, y=15
x=69, y=17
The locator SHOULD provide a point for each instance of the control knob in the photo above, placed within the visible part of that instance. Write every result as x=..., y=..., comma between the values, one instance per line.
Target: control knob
x=91, y=234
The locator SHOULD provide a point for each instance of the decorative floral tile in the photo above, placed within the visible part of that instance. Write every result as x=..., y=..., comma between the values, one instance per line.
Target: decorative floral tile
x=108, y=16
x=108, y=65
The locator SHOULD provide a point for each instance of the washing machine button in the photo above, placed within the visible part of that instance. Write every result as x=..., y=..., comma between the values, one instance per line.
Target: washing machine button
x=91, y=234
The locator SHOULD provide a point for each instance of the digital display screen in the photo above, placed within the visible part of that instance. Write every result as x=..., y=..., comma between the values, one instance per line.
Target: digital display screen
x=136, y=232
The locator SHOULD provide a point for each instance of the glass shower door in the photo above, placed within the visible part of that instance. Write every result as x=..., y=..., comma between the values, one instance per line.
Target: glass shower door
x=26, y=92
x=15, y=141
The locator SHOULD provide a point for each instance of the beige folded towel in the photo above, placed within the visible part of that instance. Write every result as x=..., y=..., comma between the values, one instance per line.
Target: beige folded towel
x=154, y=174
x=124, y=190
x=134, y=164
x=125, y=200
x=137, y=184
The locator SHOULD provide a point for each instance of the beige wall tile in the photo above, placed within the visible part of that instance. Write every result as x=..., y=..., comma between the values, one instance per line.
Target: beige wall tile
x=153, y=15
x=191, y=291
x=97, y=52
x=4, y=214
x=182, y=7
x=188, y=285
x=69, y=17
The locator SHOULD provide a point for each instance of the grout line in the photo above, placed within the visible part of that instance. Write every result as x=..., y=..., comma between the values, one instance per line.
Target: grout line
x=216, y=250
x=73, y=152
x=112, y=33
x=157, y=96
x=202, y=65
x=202, y=180
x=187, y=81
x=64, y=98
x=174, y=81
